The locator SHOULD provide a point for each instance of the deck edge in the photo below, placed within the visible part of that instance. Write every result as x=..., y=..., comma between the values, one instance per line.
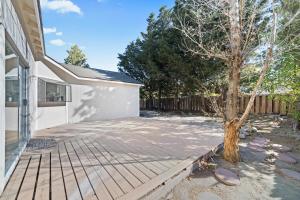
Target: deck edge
x=160, y=186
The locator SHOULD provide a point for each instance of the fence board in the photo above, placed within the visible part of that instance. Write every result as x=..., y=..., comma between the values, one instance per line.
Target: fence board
x=241, y=104
x=263, y=106
x=276, y=106
x=283, y=108
x=269, y=105
x=290, y=108
x=257, y=104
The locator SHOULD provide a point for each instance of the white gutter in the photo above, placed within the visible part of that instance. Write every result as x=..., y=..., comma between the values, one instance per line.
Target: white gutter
x=52, y=65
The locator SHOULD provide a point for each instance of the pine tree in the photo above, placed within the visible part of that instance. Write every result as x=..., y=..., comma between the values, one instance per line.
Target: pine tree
x=76, y=57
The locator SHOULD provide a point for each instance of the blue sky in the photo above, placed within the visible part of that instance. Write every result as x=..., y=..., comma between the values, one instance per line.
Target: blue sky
x=102, y=28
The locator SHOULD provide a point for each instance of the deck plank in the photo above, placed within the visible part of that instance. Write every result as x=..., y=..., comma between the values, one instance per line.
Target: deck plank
x=143, y=167
x=110, y=183
x=57, y=180
x=148, y=160
x=29, y=183
x=72, y=189
x=129, y=165
x=158, y=161
x=43, y=185
x=163, y=160
x=152, y=184
x=159, y=151
x=96, y=181
x=85, y=185
x=126, y=174
x=160, y=154
x=113, y=172
x=11, y=190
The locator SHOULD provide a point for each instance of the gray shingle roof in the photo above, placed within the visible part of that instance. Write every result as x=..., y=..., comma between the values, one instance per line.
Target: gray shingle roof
x=99, y=74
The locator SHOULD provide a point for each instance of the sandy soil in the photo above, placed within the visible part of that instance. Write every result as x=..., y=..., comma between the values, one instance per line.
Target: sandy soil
x=259, y=179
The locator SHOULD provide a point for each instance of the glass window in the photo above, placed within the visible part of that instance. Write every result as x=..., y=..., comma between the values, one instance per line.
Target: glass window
x=50, y=93
x=55, y=92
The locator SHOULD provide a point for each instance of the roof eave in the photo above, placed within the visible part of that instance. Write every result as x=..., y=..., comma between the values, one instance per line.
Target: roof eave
x=30, y=17
x=51, y=61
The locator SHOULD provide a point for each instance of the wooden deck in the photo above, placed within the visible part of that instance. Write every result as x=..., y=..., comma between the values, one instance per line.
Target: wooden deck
x=116, y=159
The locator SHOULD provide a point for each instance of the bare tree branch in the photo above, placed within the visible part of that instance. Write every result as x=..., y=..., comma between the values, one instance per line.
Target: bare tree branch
x=266, y=66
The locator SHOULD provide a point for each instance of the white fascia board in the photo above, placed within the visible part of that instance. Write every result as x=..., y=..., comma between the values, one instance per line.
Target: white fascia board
x=40, y=25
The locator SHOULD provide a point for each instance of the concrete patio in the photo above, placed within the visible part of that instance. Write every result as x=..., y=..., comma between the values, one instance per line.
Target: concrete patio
x=113, y=159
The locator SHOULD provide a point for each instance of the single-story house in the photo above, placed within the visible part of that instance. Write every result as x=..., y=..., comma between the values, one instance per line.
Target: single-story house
x=36, y=92
x=85, y=94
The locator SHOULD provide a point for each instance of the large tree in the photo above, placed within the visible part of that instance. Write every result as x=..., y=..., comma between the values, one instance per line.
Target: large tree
x=158, y=60
x=230, y=31
x=76, y=57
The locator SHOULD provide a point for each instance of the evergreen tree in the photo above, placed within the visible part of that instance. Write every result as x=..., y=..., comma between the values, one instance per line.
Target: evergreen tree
x=76, y=57
x=159, y=62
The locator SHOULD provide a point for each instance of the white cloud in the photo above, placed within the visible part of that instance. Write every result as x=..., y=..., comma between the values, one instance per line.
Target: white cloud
x=43, y=3
x=49, y=30
x=57, y=42
x=52, y=30
x=61, y=6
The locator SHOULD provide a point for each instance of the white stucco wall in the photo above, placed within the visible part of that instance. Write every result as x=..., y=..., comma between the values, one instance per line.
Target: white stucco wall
x=51, y=116
x=91, y=101
x=43, y=71
x=97, y=101
x=46, y=117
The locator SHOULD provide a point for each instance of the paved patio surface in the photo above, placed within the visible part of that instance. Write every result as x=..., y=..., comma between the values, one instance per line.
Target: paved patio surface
x=112, y=159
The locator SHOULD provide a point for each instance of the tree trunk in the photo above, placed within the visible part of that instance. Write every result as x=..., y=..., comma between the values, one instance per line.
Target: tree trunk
x=231, y=150
x=231, y=140
x=233, y=124
x=231, y=135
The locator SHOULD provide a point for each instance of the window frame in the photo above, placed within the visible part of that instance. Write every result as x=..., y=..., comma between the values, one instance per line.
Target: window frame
x=43, y=101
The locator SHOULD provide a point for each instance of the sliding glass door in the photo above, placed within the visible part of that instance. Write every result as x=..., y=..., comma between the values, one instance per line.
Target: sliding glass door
x=16, y=107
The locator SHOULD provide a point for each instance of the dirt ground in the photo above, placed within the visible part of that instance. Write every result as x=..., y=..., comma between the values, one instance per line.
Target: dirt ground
x=259, y=179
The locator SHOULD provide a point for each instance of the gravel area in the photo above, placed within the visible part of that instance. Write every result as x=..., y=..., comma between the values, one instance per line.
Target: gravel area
x=262, y=175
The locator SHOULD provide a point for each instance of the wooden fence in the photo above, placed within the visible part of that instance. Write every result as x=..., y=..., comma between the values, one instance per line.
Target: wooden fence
x=262, y=104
